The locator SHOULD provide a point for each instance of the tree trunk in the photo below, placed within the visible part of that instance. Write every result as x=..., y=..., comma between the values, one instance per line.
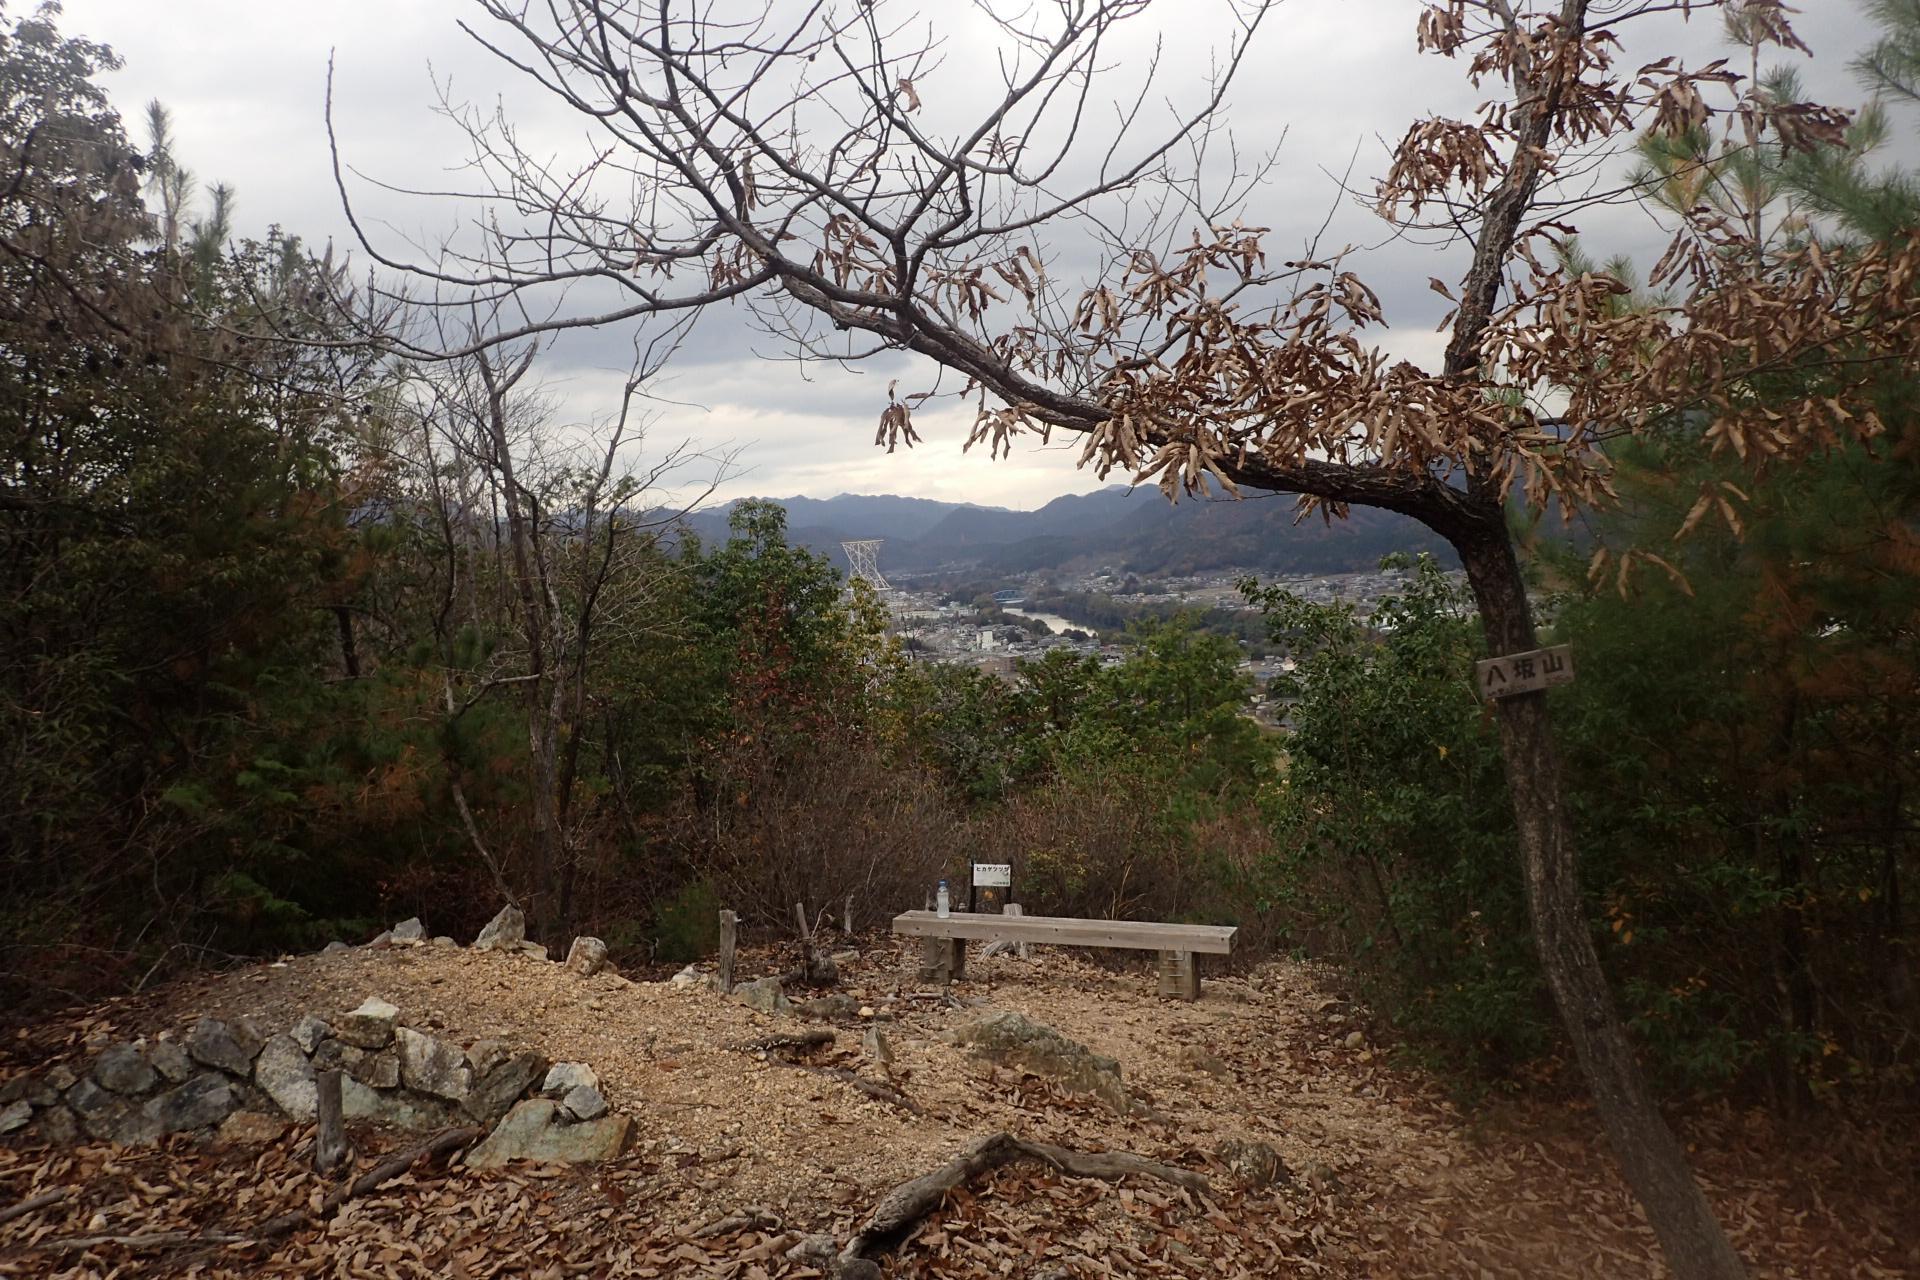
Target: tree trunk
x=349, y=652
x=1650, y=1157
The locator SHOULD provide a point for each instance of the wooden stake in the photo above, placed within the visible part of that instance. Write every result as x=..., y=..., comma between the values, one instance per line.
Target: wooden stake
x=729, y=937
x=330, y=1149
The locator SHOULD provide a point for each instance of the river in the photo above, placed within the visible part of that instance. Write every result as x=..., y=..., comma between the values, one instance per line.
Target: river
x=1058, y=624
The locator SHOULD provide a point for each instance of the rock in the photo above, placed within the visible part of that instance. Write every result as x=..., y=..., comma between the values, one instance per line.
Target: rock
x=285, y=1075
x=814, y=1251
x=690, y=977
x=1321, y=1177
x=1356, y=1039
x=444, y=941
x=857, y=1269
x=533, y=1130
x=309, y=1032
x=504, y=932
x=1199, y=1059
x=377, y=1069
x=819, y=971
x=1012, y=1038
x=503, y=1084
x=532, y=949
x=250, y=1128
x=409, y=931
x=434, y=1066
x=569, y=1075
x=123, y=1069
x=61, y=1077
x=1254, y=1165
x=110, y=1117
x=200, y=1103
x=395, y=1107
x=845, y=957
x=56, y=1126
x=830, y=1008
x=332, y=947
x=763, y=994
x=15, y=1115
x=584, y=1102
x=381, y=941
x=231, y=1047
x=876, y=1045
x=170, y=1060
x=485, y=1055
x=587, y=956
x=368, y=1027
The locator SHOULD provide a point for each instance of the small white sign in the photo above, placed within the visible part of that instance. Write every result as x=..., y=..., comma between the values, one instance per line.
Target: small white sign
x=992, y=875
x=1523, y=672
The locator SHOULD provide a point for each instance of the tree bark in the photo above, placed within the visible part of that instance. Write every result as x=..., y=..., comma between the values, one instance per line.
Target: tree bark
x=1649, y=1155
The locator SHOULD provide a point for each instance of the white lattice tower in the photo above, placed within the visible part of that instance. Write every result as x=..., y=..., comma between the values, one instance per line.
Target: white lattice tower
x=863, y=562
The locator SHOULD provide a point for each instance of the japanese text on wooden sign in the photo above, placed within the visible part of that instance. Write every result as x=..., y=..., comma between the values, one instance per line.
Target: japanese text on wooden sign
x=1523, y=672
x=992, y=875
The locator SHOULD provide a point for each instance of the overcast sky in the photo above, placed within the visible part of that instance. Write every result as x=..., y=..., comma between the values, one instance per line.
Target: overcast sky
x=245, y=80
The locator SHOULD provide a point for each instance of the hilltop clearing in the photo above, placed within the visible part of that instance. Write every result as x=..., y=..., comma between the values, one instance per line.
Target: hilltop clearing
x=751, y=1135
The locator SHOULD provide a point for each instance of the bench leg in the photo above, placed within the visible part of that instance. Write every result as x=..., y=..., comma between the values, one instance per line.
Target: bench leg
x=1180, y=975
x=942, y=959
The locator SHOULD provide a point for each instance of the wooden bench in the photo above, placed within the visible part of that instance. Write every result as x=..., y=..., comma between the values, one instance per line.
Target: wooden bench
x=944, y=954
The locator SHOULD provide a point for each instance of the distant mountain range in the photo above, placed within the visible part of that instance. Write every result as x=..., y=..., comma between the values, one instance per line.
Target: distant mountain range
x=1130, y=530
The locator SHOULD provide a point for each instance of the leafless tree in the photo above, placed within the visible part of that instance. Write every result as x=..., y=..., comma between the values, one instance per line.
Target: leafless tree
x=541, y=538
x=809, y=159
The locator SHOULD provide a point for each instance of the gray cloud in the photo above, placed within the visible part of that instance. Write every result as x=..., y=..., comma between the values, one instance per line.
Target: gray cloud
x=1339, y=79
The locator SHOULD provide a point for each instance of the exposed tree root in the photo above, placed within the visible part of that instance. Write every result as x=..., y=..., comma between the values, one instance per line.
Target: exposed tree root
x=894, y=1217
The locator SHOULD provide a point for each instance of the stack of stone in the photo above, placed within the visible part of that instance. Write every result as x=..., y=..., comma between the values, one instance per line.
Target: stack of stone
x=137, y=1093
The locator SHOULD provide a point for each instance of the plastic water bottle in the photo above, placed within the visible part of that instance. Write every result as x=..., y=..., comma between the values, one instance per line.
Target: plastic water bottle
x=941, y=903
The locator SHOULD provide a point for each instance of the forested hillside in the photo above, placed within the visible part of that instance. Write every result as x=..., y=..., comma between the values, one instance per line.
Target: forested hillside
x=1135, y=531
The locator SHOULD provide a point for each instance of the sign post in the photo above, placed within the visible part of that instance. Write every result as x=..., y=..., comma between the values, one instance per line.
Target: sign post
x=1518, y=673
x=990, y=876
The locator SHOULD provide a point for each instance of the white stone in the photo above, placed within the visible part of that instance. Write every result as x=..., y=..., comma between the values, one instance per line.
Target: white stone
x=587, y=956
x=504, y=932
x=284, y=1074
x=563, y=1076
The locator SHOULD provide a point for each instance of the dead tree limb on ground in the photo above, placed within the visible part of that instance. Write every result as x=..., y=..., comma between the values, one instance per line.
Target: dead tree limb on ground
x=800, y=1041
x=446, y=1142
x=27, y=1206
x=894, y=1217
